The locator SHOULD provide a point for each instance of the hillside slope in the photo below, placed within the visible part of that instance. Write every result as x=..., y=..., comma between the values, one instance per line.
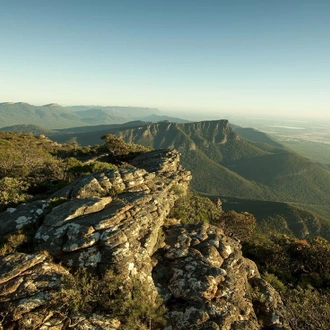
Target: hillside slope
x=278, y=217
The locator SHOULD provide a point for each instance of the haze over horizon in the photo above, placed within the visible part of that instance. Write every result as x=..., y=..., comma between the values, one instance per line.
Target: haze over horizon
x=240, y=57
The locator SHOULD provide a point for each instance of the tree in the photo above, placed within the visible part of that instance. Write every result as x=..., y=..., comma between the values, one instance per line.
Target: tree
x=116, y=146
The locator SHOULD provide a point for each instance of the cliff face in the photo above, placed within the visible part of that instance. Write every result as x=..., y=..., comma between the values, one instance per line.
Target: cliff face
x=113, y=221
x=187, y=136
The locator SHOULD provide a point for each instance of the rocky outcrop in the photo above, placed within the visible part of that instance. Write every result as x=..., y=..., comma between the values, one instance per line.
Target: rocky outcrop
x=31, y=296
x=29, y=287
x=107, y=220
x=208, y=284
x=95, y=229
x=114, y=220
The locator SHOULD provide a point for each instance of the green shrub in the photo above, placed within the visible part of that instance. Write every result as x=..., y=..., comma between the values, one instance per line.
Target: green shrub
x=11, y=242
x=194, y=209
x=239, y=225
x=177, y=190
x=275, y=282
x=98, y=166
x=308, y=309
x=118, y=147
x=132, y=303
x=13, y=191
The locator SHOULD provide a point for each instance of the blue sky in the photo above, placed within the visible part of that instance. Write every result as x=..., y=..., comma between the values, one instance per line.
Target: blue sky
x=240, y=56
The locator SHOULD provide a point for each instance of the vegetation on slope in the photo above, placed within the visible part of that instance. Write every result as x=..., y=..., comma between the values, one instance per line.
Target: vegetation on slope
x=280, y=217
x=36, y=166
x=111, y=295
x=33, y=166
x=214, y=178
x=293, y=177
x=315, y=151
x=252, y=134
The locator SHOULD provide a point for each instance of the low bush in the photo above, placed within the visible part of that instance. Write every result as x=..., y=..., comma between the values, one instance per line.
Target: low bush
x=132, y=303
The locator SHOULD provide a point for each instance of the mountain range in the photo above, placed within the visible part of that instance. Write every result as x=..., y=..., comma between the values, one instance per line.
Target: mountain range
x=54, y=116
x=225, y=163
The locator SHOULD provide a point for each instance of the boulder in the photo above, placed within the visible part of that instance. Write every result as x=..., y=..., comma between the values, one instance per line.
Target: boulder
x=15, y=219
x=204, y=279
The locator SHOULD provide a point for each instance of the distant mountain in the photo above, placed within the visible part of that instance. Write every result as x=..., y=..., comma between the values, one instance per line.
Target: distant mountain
x=156, y=118
x=91, y=135
x=52, y=105
x=113, y=115
x=33, y=129
x=84, y=135
x=49, y=116
x=53, y=116
x=224, y=163
x=97, y=116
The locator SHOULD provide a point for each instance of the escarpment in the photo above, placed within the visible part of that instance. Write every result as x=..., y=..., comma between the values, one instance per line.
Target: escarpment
x=183, y=136
x=115, y=222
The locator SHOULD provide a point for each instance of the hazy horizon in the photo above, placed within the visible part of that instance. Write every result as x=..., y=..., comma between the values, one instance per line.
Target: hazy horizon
x=182, y=57
x=202, y=115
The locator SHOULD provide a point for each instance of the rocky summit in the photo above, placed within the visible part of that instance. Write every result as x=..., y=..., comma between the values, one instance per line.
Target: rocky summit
x=116, y=221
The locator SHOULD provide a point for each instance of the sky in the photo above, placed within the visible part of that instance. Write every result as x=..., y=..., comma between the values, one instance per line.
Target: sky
x=201, y=56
